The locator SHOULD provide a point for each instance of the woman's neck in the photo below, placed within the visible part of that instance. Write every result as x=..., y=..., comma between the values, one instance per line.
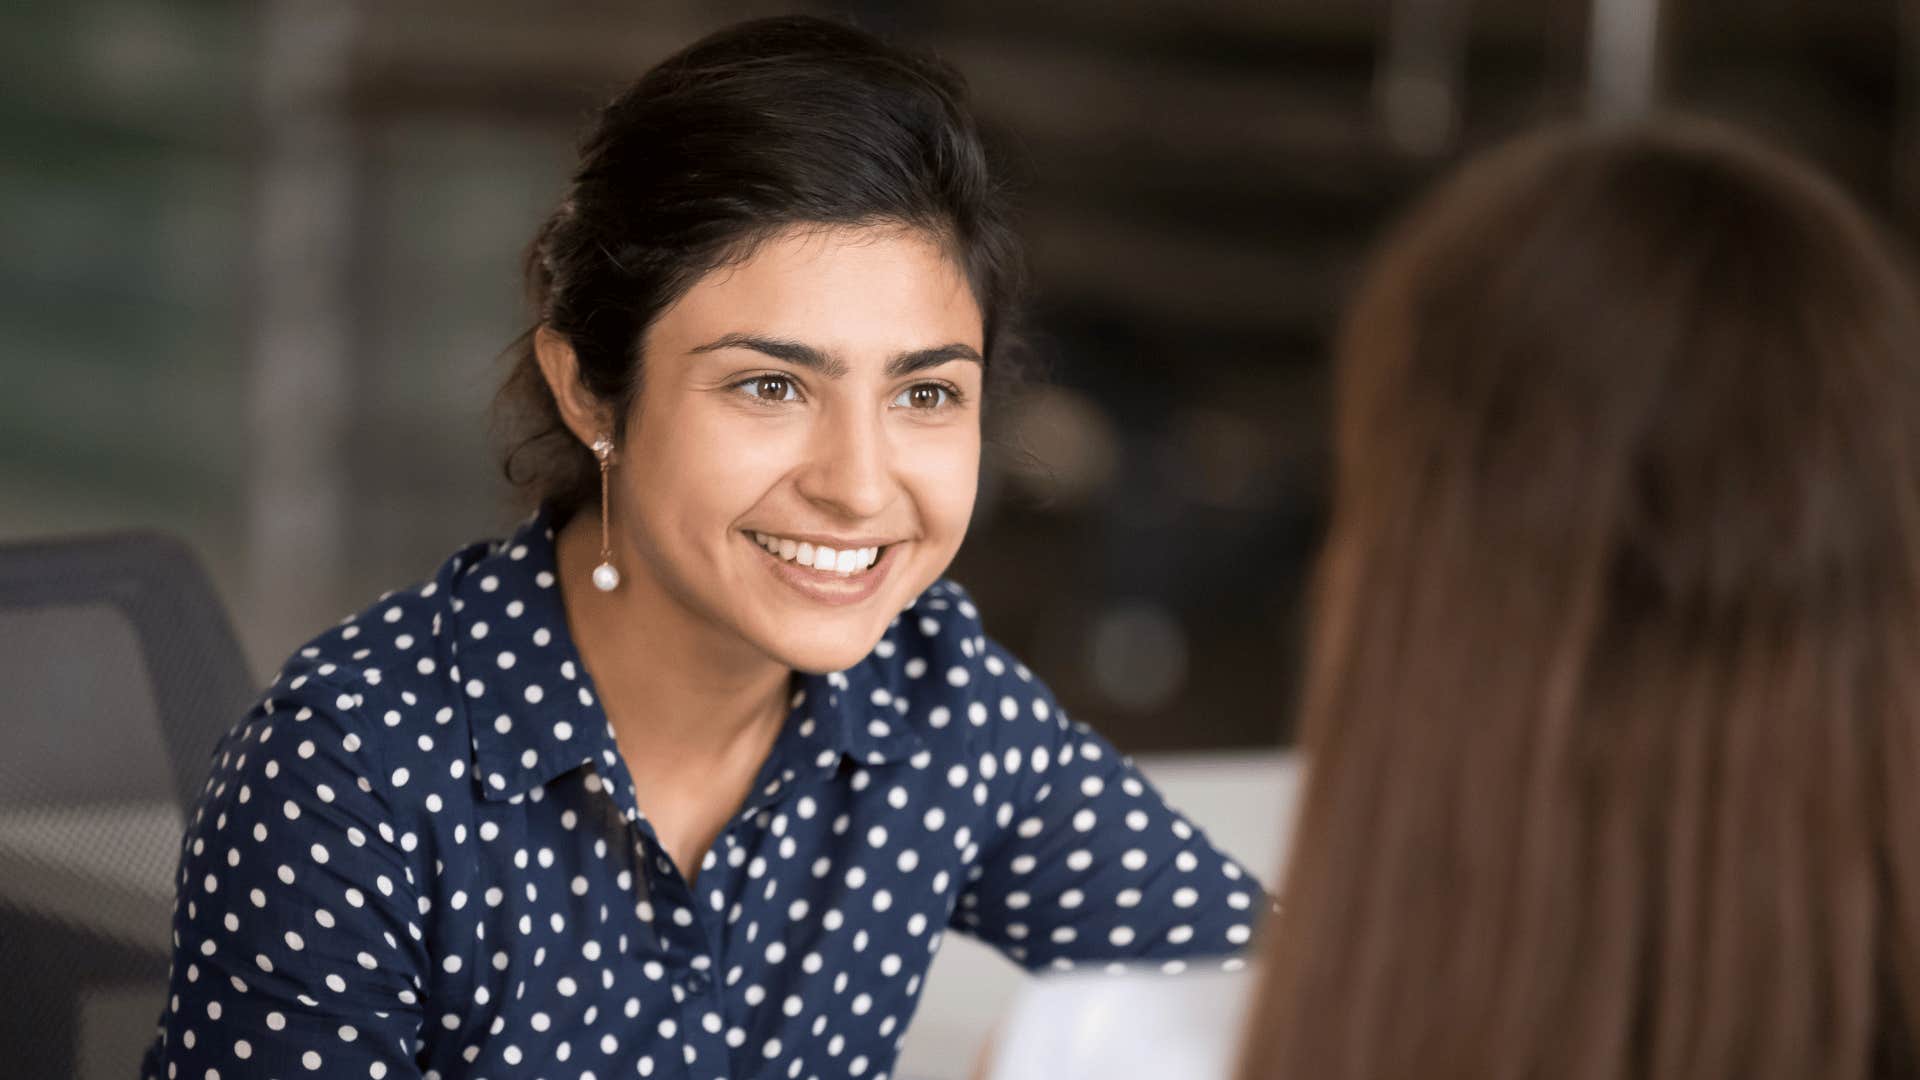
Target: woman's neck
x=675, y=687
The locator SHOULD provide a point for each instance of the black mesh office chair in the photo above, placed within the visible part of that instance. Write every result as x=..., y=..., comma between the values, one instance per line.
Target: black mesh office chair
x=119, y=672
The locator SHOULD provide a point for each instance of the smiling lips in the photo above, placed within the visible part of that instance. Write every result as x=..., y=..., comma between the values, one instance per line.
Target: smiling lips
x=845, y=562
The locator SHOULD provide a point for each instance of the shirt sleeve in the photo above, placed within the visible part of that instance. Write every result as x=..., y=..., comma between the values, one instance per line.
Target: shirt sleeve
x=1089, y=863
x=294, y=949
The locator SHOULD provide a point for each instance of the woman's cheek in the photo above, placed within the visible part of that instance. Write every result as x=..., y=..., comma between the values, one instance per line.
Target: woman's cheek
x=945, y=478
x=735, y=459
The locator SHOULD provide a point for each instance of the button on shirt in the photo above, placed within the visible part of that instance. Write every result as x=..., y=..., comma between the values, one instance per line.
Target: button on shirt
x=421, y=854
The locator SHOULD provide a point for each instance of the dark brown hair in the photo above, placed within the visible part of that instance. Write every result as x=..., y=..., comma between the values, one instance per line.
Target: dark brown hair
x=1613, y=709
x=765, y=126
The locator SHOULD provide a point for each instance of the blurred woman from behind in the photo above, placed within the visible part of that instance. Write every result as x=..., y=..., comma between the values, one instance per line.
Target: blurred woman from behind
x=1613, y=714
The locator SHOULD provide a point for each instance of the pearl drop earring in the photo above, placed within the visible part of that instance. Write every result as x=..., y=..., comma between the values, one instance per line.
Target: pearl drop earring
x=606, y=577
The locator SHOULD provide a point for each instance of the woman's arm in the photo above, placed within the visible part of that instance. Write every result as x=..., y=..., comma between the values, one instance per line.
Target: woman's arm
x=1091, y=864
x=295, y=951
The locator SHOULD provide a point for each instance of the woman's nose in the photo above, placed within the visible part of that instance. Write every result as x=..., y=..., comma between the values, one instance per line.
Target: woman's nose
x=849, y=468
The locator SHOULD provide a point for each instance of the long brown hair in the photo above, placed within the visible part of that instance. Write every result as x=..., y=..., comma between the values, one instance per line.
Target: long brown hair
x=1613, y=709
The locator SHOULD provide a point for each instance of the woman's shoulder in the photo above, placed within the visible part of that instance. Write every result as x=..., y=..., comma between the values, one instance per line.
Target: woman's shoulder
x=395, y=659
x=1141, y=1023
x=389, y=646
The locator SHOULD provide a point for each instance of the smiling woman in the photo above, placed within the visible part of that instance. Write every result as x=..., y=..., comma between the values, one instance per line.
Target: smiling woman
x=689, y=775
x=821, y=392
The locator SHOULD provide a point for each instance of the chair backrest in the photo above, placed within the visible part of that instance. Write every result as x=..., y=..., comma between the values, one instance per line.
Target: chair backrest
x=120, y=672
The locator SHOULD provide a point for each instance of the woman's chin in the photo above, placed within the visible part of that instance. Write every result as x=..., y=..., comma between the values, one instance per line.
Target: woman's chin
x=820, y=645
x=821, y=658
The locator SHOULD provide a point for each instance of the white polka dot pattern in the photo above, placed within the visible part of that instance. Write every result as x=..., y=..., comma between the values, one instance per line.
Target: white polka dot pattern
x=421, y=855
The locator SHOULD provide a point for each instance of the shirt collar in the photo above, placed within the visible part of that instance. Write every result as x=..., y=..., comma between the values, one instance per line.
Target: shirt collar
x=534, y=714
x=862, y=710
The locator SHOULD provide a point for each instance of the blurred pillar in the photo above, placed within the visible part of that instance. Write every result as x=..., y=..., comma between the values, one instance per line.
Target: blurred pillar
x=298, y=398
x=1418, y=85
x=1623, y=54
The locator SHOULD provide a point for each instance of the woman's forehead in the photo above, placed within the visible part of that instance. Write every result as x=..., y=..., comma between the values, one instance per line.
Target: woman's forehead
x=858, y=294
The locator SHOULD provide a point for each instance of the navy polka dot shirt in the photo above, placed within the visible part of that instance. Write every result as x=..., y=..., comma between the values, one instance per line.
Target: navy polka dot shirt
x=421, y=855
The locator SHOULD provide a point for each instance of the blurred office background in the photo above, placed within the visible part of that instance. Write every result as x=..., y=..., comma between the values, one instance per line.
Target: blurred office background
x=258, y=264
x=259, y=261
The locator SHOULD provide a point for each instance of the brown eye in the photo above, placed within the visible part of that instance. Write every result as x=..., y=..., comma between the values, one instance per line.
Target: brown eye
x=924, y=396
x=770, y=388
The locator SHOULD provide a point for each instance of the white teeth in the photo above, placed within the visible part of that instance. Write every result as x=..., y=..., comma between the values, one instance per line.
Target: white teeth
x=850, y=561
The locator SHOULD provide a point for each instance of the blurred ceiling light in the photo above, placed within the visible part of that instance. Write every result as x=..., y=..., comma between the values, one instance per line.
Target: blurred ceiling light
x=1073, y=446
x=1137, y=655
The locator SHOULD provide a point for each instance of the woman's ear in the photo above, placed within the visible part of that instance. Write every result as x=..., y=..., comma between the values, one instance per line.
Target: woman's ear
x=583, y=414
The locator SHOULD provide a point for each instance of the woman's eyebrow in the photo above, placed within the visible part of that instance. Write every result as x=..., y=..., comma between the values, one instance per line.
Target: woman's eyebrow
x=794, y=352
x=921, y=359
